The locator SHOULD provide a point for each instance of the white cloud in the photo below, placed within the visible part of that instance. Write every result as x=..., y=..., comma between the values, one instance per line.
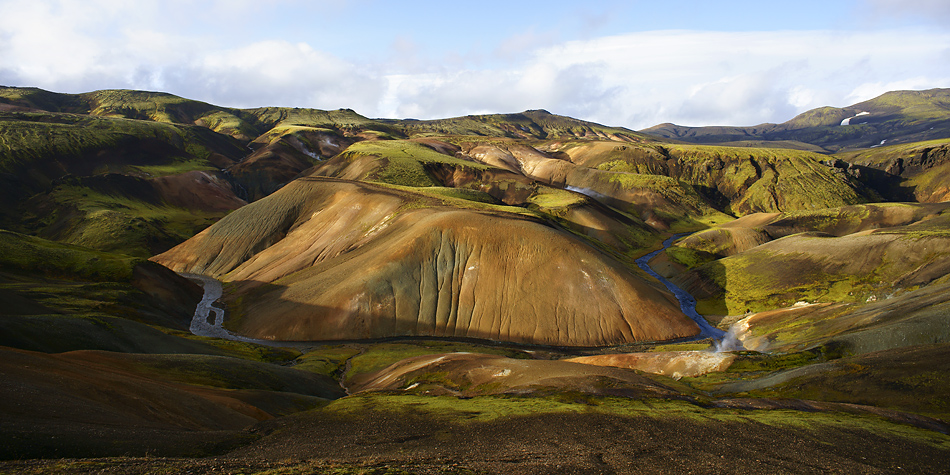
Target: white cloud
x=694, y=78
x=870, y=90
x=634, y=80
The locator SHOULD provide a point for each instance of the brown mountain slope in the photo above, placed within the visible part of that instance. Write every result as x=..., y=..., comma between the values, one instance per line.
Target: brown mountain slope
x=326, y=259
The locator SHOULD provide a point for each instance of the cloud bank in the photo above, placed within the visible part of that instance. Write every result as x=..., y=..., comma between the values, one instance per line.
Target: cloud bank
x=634, y=80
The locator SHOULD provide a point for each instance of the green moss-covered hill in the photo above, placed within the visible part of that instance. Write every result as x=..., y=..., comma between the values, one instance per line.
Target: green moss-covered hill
x=897, y=117
x=851, y=254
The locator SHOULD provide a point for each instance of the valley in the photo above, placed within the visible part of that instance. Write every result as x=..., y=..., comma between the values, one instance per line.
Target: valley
x=189, y=287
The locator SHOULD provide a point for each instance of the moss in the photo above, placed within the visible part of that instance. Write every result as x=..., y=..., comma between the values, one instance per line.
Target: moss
x=689, y=257
x=326, y=361
x=552, y=198
x=30, y=254
x=102, y=216
x=243, y=350
x=405, y=161
x=681, y=347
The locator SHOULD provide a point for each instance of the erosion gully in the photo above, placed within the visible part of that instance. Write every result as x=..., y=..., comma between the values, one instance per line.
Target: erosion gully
x=202, y=325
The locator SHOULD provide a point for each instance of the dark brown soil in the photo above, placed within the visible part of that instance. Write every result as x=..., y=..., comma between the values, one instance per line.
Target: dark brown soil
x=583, y=443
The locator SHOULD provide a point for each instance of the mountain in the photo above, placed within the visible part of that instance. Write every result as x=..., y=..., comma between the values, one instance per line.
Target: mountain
x=418, y=296
x=897, y=117
x=405, y=265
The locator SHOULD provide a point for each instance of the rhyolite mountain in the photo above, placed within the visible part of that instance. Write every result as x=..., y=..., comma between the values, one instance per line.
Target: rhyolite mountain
x=448, y=277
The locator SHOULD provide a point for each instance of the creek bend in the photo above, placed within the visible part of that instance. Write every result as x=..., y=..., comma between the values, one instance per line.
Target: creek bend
x=687, y=302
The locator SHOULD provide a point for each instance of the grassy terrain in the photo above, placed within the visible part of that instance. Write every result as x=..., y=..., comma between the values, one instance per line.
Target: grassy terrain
x=907, y=379
x=735, y=180
x=28, y=254
x=141, y=105
x=535, y=124
x=490, y=408
x=114, y=214
x=405, y=161
x=345, y=121
x=907, y=172
x=60, y=297
x=814, y=267
x=38, y=148
x=31, y=136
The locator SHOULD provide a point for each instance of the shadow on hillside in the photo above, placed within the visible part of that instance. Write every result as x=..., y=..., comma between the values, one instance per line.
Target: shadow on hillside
x=890, y=187
x=261, y=312
x=707, y=284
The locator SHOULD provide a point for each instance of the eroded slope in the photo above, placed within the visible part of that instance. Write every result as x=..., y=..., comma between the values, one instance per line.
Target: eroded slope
x=344, y=260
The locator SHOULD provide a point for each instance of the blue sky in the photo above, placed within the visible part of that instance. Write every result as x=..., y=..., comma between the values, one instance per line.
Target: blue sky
x=632, y=64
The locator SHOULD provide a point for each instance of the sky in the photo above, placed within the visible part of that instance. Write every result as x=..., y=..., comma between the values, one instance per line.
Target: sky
x=633, y=64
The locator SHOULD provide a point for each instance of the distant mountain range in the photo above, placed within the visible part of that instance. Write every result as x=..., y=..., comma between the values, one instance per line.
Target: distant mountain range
x=897, y=117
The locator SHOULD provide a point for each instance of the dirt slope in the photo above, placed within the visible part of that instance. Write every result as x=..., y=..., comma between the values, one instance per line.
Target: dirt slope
x=324, y=259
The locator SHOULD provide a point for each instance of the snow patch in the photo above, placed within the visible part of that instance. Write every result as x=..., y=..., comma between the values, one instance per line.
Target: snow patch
x=848, y=120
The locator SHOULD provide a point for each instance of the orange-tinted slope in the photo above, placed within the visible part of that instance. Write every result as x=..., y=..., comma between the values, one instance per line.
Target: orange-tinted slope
x=325, y=259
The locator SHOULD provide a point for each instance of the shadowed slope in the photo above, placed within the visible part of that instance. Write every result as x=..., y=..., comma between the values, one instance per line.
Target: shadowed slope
x=918, y=171
x=84, y=403
x=348, y=260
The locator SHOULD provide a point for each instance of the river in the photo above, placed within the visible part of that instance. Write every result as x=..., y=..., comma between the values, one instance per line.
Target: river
x=687, y=302
x=202, y=325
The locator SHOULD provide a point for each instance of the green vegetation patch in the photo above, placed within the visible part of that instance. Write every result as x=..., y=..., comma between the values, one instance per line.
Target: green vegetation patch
x=554, y=198
x=326, y=361
x=406, y=161
x=114, y=213
x=345, y=121
x=907, y=379
x=689, y=257
x=241, y=349
x=22, y=253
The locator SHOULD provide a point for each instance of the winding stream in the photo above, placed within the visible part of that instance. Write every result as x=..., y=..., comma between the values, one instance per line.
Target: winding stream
x=202, y=325
x=687, y=302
